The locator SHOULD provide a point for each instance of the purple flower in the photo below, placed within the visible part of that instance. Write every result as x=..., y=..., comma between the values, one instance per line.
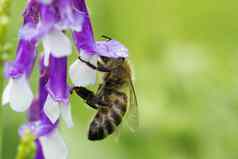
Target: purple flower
x=81, y=74
x=58, y=92
x=19, y=70
x=71, y=17
x=84, y=39
x=25, y=59
x=55, y=16
x=55, y=42
x=49, y=143
x=57, y=84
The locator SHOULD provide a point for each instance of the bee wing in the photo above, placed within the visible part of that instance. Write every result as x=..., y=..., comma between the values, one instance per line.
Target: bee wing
x=117, y=134
x=132, y=115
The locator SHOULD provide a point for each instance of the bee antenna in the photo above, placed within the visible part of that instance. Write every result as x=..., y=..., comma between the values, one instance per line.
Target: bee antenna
x=106, y=37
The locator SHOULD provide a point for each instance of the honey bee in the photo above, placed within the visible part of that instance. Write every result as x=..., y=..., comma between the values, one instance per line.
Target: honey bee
x=114, y=97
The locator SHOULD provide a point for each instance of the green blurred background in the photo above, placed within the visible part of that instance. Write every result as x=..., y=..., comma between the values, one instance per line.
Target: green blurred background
x=184, y=55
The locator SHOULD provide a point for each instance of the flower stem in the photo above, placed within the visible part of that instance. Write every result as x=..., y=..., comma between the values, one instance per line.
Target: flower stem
x=4, y=19
x=27, y=147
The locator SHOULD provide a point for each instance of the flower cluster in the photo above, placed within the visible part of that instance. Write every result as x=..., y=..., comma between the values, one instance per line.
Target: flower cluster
x=48, y=141
x=46, y=22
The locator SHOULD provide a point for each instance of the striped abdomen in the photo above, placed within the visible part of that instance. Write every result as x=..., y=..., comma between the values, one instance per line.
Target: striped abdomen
x=108, y=118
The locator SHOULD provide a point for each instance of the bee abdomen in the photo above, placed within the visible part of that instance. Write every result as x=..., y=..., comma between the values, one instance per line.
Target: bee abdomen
x=96, y=132
x=100, y=127
x=107, y=119
x=105, y=124
x=116, y=114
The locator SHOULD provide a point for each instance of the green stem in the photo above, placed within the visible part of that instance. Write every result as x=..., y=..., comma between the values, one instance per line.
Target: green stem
x=4, y=18
x=27, y=147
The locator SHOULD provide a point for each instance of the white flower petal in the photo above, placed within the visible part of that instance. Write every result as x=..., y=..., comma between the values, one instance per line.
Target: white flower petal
x=6, y=93
x=57, y=43
x=20, y=94
x=51, y=109
x=81, y=74
x=46, y=58
x=66, y=115
x=88, y=56
x=53, y=146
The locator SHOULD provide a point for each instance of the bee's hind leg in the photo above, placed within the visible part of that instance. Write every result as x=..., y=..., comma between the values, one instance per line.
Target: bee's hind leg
x=91, y=99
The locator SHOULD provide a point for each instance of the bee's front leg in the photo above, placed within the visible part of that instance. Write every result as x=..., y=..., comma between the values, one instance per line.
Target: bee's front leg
x=98, y=68
x=91, y=99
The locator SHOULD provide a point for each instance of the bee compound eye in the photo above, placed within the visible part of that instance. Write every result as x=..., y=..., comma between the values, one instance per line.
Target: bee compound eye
x=104, y=59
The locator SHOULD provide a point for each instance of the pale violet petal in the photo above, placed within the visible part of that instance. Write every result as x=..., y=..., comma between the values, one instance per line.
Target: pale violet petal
x=66, y=115
x=57, y=43
x=81, y=74
x=111, y=48
x=77, y=23
x=20, y=94
x=51, y=109
x=46, y=58
x=53, y=146
x=77, y=27
x=6, y=93
x=45, y=1
x=88, y=56
x=27, y=32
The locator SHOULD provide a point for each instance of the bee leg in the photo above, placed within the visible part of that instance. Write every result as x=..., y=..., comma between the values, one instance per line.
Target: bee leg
x=107, y=37
x=85, y=94
x=95, y=102
x=99, y=68
x=91, y=99
x=92, y=105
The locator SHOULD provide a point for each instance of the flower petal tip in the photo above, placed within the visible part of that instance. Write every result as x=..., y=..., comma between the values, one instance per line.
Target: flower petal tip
x=67, y=116
x=51, y=109
x=19, y=94
x=57, y=43
x=53, y=146
x=81, y=74
x=6, y=93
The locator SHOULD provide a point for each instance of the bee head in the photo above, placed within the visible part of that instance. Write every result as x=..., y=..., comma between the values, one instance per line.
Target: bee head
x=111, y=62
